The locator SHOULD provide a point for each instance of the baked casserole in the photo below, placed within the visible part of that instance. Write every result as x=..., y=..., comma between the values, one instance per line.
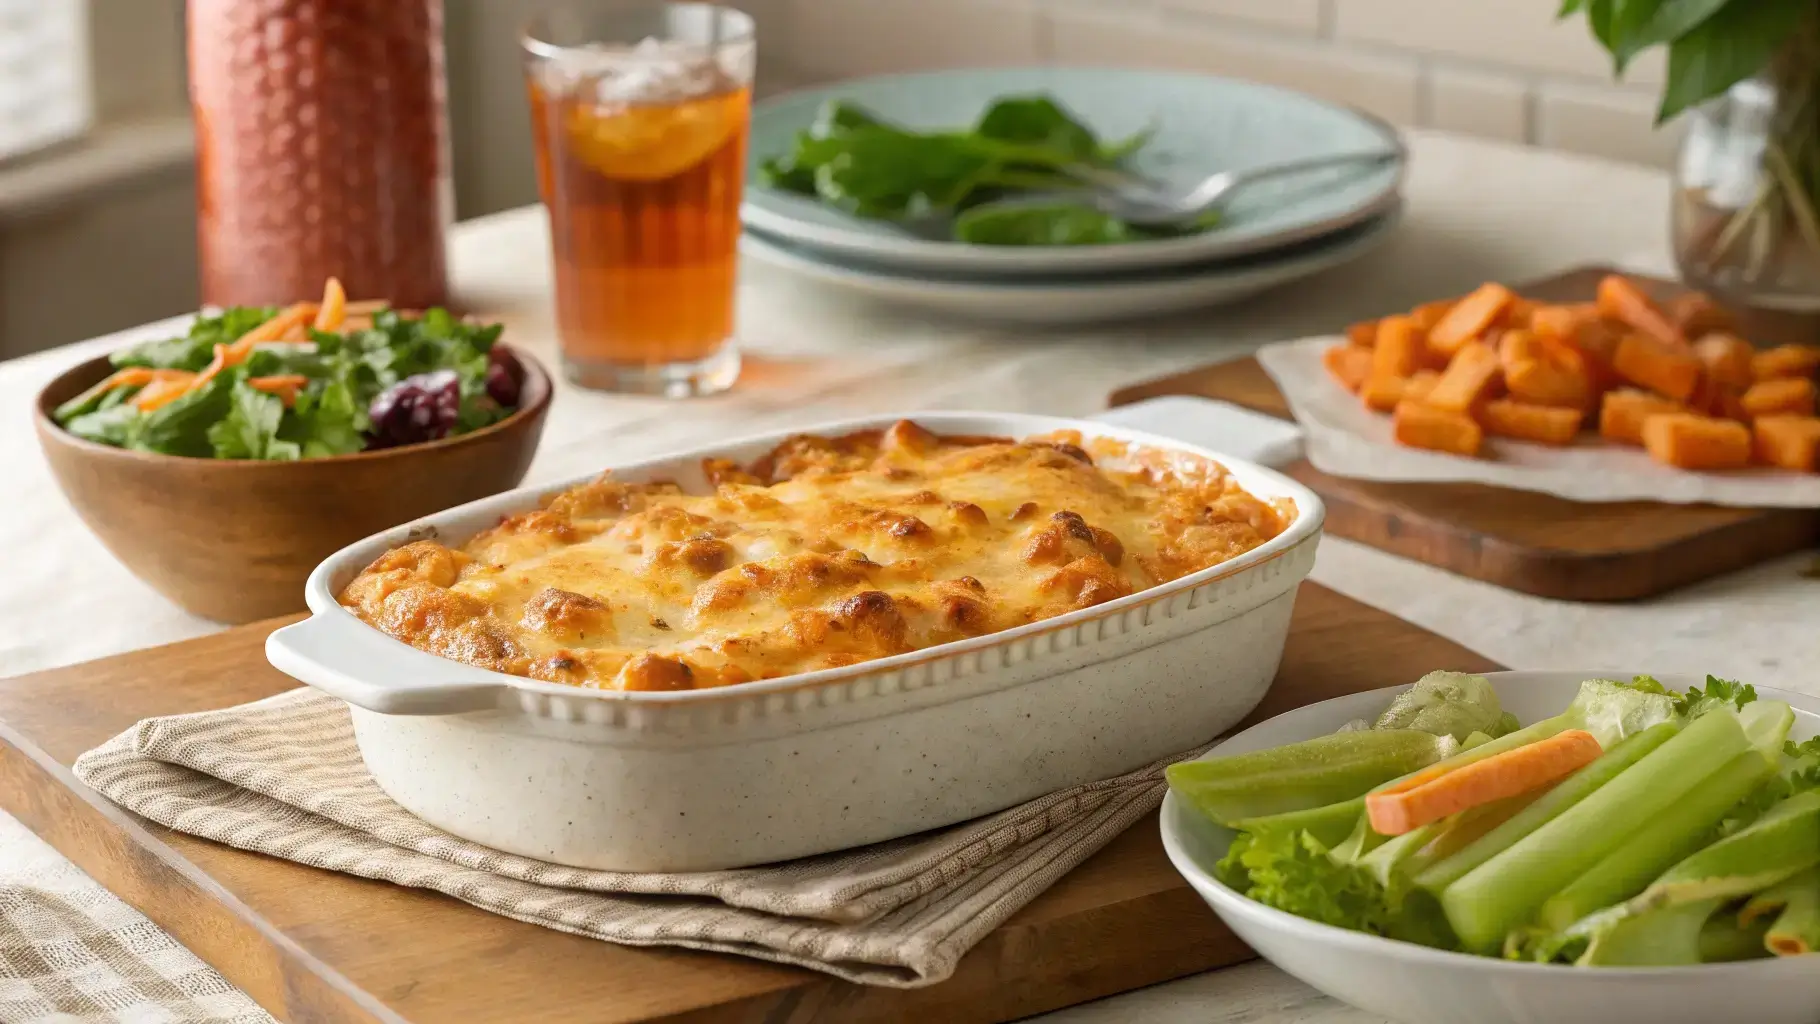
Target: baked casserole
x=826, y=552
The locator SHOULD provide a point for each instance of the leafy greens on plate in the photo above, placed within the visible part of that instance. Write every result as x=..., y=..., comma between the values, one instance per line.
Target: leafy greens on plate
x=1639, y=827
x=1021, y=146
x=284, y=384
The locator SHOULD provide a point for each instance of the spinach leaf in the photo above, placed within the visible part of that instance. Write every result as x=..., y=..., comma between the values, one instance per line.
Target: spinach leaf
x=250, y=428
x=886, y=174
x=194, y=350
x=1040, y=121
x=1057, y=224
x=866, y=166
x=181, y=427
x=837, y=116
x=1062, y=223
x=104, y=426
x=327, y=420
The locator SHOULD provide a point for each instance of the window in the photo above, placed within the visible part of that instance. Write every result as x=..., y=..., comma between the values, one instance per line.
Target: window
x=45, y=91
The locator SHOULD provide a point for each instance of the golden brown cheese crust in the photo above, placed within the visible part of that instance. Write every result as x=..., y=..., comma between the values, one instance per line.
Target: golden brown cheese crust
x=826, y=552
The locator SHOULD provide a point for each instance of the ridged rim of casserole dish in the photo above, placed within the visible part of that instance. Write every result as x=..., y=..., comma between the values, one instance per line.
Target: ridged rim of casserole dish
x=1305, y=527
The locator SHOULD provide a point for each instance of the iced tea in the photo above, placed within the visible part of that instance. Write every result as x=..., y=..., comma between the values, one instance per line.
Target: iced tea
x=641, y=154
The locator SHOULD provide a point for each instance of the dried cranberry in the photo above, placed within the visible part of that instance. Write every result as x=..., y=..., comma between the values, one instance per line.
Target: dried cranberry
x=420, y=408
x=505, y=377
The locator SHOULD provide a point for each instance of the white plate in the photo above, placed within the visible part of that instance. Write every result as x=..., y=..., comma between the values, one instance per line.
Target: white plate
x=1418, y=985
x=1204, y=124
x=1079, y=300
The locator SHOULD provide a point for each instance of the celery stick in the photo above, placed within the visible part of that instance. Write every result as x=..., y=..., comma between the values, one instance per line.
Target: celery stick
x=1330, y=824
x=1410, y=852
x=1797, y=928
x=1472, y=826
x=1782, y=843
x=1666, y=937
x=1725, y=939
x=1658, y=845
x=1300, y=776
x=1506, y=890
x=1547, y=807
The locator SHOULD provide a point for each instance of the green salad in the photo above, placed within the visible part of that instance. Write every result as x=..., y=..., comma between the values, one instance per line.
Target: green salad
x=863, y=165
x=232, y=388
x=1639, y=827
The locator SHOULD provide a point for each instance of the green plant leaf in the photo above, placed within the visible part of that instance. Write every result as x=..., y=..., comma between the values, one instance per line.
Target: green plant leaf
x=1628, y=21
x=1601, y=15
x=1569, y=8
x=1733, y=44
x=1668, y=21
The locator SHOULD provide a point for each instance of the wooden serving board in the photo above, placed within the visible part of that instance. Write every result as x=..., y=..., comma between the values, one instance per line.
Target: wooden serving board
x=1535, y=543
x=315, y=946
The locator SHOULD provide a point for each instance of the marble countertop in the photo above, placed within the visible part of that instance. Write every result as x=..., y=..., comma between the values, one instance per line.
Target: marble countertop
x=1476, y=211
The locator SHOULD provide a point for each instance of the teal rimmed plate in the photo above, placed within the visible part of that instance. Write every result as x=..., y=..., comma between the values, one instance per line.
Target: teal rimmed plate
x=1203, y=124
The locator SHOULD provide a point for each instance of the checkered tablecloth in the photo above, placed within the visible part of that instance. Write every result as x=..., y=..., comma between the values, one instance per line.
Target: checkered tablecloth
x=70, y=953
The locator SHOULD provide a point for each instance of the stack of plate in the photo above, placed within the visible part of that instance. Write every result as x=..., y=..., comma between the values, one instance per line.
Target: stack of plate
x=1273, y=232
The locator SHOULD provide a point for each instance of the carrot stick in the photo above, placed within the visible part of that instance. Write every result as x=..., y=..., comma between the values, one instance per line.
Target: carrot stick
x=1622, y=300
x=1421, y=800
x=271, y=330
x=1469, y=317
x=367, y=307
x=334, y=306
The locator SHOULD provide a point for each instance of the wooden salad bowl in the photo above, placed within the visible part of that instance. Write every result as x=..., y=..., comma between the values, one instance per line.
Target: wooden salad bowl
x=233, y=540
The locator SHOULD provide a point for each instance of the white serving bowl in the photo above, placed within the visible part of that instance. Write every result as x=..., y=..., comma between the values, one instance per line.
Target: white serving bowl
x=1417, y=985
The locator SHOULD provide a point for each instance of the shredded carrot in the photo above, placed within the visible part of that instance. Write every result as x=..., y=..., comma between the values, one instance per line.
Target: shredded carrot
x=284, y=385
x=215, y=366
x=366, y=307
x=162, y=391
x=334, y=306
x=1426, y=798
x=1620, y=299
x=271, y=330
x=129, y=377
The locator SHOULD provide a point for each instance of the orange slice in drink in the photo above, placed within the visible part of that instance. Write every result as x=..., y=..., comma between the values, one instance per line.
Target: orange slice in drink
x=650, y=143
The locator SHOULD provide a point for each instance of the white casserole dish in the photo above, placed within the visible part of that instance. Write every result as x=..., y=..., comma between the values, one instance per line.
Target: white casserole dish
x=782, y=768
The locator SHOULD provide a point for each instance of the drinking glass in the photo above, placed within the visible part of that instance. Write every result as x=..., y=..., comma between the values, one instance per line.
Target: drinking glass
x=640, y=113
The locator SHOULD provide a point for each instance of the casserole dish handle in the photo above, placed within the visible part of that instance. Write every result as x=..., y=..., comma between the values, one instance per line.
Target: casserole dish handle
x=1222, y=426
x=366, y=668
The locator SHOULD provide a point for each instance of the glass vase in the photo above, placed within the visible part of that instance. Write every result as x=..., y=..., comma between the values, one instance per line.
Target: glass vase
x=1746, y=202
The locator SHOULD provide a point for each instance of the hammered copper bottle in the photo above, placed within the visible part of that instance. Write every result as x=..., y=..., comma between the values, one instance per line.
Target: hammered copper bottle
x=321, y=139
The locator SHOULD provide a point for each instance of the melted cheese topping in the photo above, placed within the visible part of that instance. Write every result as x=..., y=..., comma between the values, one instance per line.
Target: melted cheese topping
x=826, y=552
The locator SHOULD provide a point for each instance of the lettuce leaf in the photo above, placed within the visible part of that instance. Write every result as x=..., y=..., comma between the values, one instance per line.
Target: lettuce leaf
x=194, y=350
x=1293, y=871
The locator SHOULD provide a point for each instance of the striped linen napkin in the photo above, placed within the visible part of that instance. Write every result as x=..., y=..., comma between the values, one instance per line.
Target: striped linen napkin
x=283, y=776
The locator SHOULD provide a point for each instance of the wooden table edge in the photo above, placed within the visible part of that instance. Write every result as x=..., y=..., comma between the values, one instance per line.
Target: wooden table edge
x=76, y=821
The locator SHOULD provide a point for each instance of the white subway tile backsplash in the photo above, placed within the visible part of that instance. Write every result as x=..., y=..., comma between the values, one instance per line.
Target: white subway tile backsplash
x=1388, y=88
x=1303, y=16
x=1501, y=69
x=1604, y=121
x=850, y=38
x=1485, y=104
x=1520, y=34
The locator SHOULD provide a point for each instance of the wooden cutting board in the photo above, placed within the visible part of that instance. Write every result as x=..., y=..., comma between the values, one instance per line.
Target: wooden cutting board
x=1535, y=543
x=315, y=946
